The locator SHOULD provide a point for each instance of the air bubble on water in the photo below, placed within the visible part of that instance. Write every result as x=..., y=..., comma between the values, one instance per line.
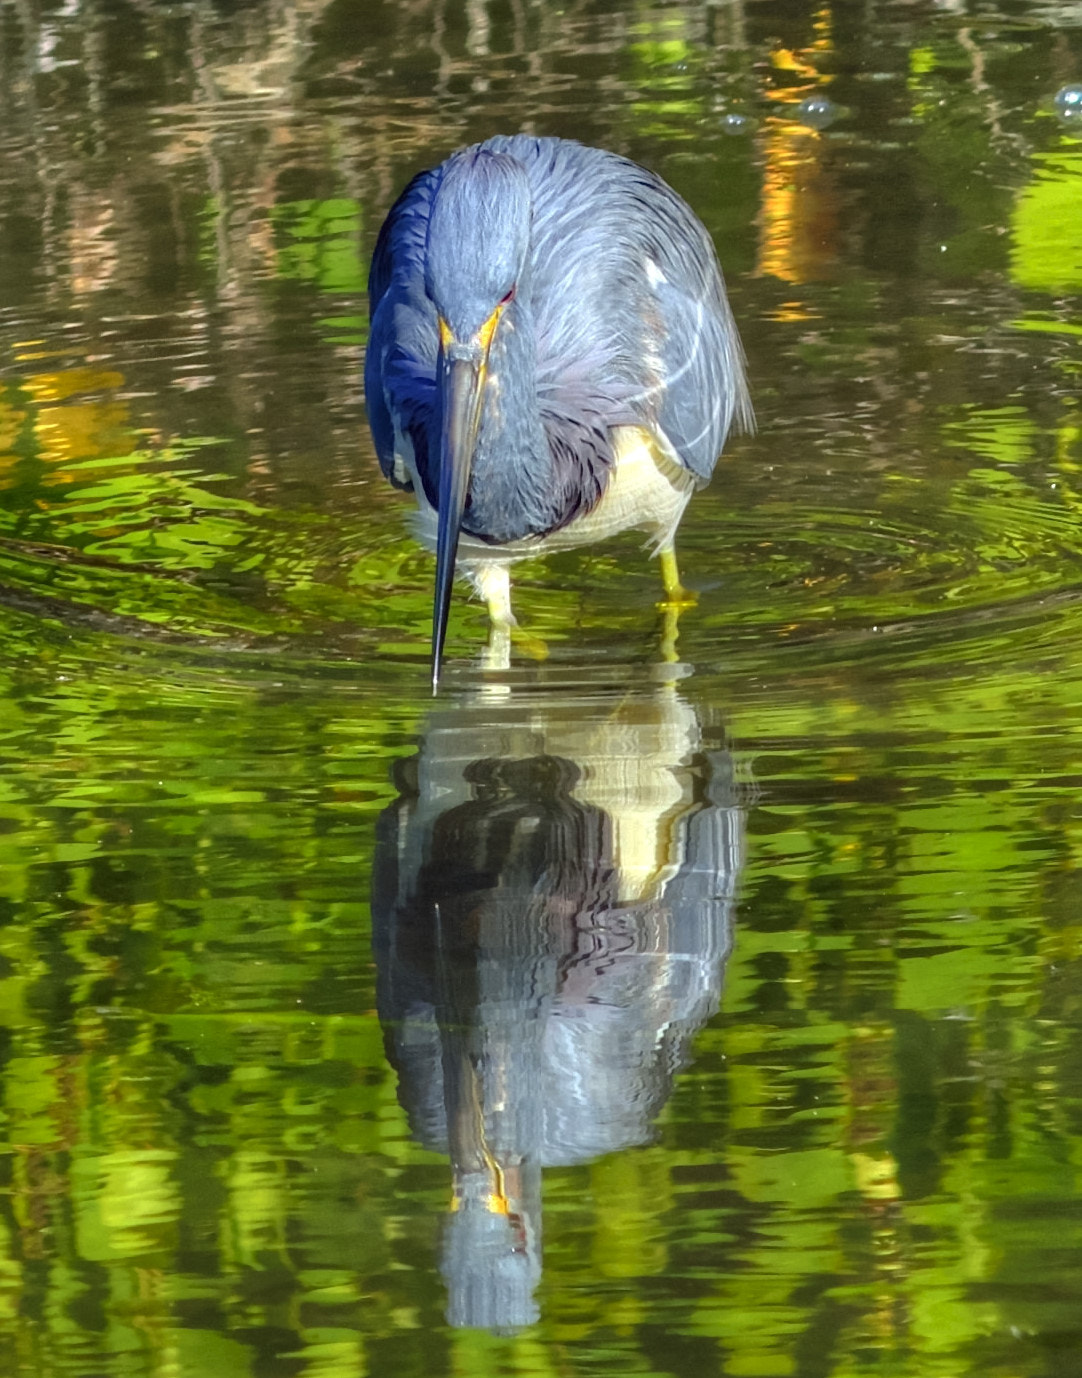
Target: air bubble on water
x=818, y=112
x=732, y=123
x=1067, y=103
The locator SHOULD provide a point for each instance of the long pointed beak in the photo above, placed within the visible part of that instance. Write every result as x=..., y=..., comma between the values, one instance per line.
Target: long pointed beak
x=461, y=382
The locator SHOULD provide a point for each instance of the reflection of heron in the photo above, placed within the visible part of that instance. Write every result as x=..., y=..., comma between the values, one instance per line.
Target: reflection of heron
x=551, y=910
x=552, y=358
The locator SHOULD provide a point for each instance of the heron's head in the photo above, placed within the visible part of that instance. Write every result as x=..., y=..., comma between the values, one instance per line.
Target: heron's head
x=478, y=239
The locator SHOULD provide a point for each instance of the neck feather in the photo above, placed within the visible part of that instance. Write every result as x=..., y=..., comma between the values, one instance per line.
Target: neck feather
x=512, y=484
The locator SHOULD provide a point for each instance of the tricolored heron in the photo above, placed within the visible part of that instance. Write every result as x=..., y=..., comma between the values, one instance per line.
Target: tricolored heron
x=552, y=359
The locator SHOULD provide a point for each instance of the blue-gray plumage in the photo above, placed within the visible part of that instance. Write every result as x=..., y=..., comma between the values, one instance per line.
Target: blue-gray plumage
x=552, y=357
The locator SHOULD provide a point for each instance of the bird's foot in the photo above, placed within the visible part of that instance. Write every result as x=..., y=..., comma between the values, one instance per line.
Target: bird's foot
x=496, y=657
x=504, y=635
x=529, y=645
x=492, y=581
x=676, y=595
x=678, y=598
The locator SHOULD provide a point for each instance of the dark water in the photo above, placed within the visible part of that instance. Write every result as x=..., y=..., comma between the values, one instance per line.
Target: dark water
x=745, y=990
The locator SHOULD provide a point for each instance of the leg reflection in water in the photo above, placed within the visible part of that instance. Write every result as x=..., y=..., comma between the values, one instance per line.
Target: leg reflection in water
x=552, y=911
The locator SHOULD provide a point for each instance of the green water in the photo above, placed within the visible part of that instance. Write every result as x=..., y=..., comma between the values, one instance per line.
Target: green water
x=743, y=989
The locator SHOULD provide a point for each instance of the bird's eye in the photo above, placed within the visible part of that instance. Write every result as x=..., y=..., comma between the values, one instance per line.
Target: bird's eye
x=509, y=298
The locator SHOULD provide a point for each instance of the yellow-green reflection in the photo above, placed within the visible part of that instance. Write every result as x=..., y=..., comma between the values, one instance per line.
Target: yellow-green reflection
x=1047, y=237
x=214, y=620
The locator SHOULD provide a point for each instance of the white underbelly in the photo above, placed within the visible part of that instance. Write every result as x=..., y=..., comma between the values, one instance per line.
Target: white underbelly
x=646, y=491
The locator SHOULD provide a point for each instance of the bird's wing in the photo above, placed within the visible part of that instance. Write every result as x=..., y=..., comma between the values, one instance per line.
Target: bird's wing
x=632, y=319
x=380, y=419
x=703, y=391
x=399, y=252
x=699, y=386
x=399, y=363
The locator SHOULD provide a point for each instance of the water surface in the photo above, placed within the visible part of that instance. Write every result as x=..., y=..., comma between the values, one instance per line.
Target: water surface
x=622, y=1014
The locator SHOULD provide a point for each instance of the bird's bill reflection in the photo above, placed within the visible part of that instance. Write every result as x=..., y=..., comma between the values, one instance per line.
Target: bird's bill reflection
x=551, y=914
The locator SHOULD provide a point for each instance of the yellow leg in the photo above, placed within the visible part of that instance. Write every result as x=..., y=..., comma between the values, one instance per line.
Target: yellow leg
x=529, y=645
x=676, y=599
x=492, y=581
x=676, y=596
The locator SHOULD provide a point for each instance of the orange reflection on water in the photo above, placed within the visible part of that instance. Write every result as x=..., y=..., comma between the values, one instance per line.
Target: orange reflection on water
x=77, y=416
x=799, y=237
x=12, y=420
